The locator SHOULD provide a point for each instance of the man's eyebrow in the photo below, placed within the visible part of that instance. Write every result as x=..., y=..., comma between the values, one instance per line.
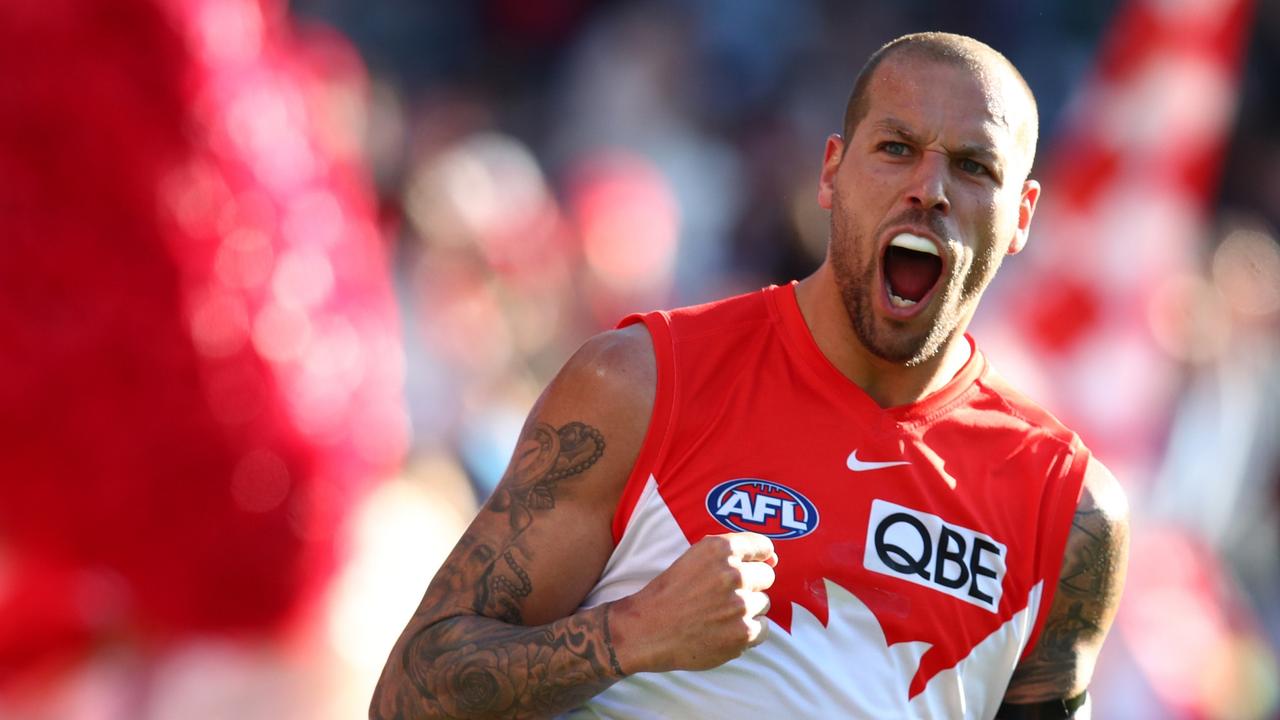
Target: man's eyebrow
x=977, y=151
x=895, y=126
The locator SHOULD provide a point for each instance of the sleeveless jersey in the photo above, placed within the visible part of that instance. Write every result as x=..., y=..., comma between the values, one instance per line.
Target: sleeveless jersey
x=918, y=546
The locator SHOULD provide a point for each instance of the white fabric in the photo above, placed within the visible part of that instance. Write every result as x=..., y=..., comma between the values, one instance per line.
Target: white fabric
x=843, y=670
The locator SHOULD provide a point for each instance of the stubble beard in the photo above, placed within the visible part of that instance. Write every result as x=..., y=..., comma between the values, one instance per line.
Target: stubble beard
x=856, y=280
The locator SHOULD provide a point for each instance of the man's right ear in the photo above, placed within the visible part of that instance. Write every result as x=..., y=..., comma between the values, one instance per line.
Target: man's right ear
x=830, y=164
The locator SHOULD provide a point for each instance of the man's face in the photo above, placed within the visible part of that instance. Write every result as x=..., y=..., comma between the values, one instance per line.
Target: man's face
x=926, y=198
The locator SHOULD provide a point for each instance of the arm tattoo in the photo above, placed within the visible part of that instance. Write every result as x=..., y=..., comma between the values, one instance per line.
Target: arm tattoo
x=1088, y=590
x=545, y=457
x=471, y=667
x=473, y=657
x=608, y=643
x=1055, y=709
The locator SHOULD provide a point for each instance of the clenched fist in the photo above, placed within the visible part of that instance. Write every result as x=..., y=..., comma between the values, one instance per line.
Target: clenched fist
x=703, y=611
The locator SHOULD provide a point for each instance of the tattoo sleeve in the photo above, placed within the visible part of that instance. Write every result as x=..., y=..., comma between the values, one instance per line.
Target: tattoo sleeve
x=1089, y=587
x=469, y=654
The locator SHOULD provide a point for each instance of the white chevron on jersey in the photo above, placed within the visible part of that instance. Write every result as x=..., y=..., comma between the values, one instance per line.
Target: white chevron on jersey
x=845, y=669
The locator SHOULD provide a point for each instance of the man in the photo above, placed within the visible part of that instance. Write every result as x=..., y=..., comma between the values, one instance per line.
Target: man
x=907, y=535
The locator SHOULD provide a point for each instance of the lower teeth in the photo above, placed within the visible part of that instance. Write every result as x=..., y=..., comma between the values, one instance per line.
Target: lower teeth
x=900, y=302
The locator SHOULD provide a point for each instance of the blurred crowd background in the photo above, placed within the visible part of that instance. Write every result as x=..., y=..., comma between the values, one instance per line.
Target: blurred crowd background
x=280, y=281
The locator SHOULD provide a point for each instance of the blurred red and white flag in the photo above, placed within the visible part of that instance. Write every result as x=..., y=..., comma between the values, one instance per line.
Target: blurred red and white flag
x=1080, y=324
x=1094, y=322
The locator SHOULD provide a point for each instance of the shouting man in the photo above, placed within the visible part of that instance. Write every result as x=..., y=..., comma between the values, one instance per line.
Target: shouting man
x=815, y=500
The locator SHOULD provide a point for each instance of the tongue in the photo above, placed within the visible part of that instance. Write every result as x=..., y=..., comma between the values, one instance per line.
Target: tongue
x=911, y=273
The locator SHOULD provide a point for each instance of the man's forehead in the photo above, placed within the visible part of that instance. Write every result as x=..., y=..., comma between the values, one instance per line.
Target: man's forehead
x=975, y=101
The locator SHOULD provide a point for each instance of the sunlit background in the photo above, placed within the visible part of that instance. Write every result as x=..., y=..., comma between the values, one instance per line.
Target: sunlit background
x=279, y=283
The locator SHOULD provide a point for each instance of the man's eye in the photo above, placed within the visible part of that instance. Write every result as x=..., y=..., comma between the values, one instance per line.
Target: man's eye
x=973, y=167
x=895, y=148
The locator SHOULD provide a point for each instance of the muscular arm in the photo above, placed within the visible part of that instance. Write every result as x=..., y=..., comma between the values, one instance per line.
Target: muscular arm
x=1084, y=606
x=496, y=634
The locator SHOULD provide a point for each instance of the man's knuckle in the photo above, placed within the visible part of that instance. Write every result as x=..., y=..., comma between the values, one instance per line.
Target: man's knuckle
x=762, y=576
x=763, y=634
x=719, y=545
x=730, y=577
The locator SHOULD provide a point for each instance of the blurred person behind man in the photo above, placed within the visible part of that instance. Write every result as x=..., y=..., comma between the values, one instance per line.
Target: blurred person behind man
x=933, y=543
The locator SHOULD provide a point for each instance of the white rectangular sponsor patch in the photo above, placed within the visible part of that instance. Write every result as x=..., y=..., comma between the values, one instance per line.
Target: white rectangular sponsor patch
x=924, y=549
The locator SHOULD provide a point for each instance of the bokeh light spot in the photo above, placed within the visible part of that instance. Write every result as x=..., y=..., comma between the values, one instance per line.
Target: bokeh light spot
x=219, y=324
x=260, y=482
x=629, y=221
x=230, y=31
x=281, y=334
x=314, y=218
x=244, y=259
x=303, y=278
x=1246, y=268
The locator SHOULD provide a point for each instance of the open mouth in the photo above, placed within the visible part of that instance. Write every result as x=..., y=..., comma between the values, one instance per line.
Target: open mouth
x=911, y=269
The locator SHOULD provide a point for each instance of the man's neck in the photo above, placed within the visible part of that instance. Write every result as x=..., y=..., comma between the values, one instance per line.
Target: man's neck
x=889, y=384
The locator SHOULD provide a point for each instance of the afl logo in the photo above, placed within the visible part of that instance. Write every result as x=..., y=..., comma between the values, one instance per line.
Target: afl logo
x=760, y=506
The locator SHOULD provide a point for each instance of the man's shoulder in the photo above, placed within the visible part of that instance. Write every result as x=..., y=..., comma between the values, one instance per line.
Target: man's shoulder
x=749, y=308
x=618, y=364
x=1023, y=409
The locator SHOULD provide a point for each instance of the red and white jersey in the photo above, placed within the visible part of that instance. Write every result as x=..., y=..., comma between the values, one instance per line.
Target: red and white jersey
x=918, y=545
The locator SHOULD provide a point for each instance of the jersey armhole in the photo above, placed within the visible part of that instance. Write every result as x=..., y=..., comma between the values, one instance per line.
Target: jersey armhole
x=655, y=438
x=1057, y=515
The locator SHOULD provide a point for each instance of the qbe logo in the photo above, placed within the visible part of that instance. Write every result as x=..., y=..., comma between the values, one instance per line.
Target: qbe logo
x=923, y=548
x=760, y=506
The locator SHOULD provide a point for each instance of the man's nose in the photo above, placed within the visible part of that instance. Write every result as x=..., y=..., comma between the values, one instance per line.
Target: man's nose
x=928, y=189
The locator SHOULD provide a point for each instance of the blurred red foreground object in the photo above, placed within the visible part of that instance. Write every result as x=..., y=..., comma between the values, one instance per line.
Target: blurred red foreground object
x=199, y=364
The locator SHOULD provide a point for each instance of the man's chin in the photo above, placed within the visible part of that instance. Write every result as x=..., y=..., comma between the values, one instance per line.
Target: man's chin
x=892, y=343
x=907, y=354
x=889, y=344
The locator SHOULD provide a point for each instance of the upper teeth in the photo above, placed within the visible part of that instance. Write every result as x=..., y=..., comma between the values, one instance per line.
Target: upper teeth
x=907, y=241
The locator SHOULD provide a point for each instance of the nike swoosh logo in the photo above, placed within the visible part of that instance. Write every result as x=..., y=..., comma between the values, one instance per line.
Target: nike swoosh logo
x=857, y=465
